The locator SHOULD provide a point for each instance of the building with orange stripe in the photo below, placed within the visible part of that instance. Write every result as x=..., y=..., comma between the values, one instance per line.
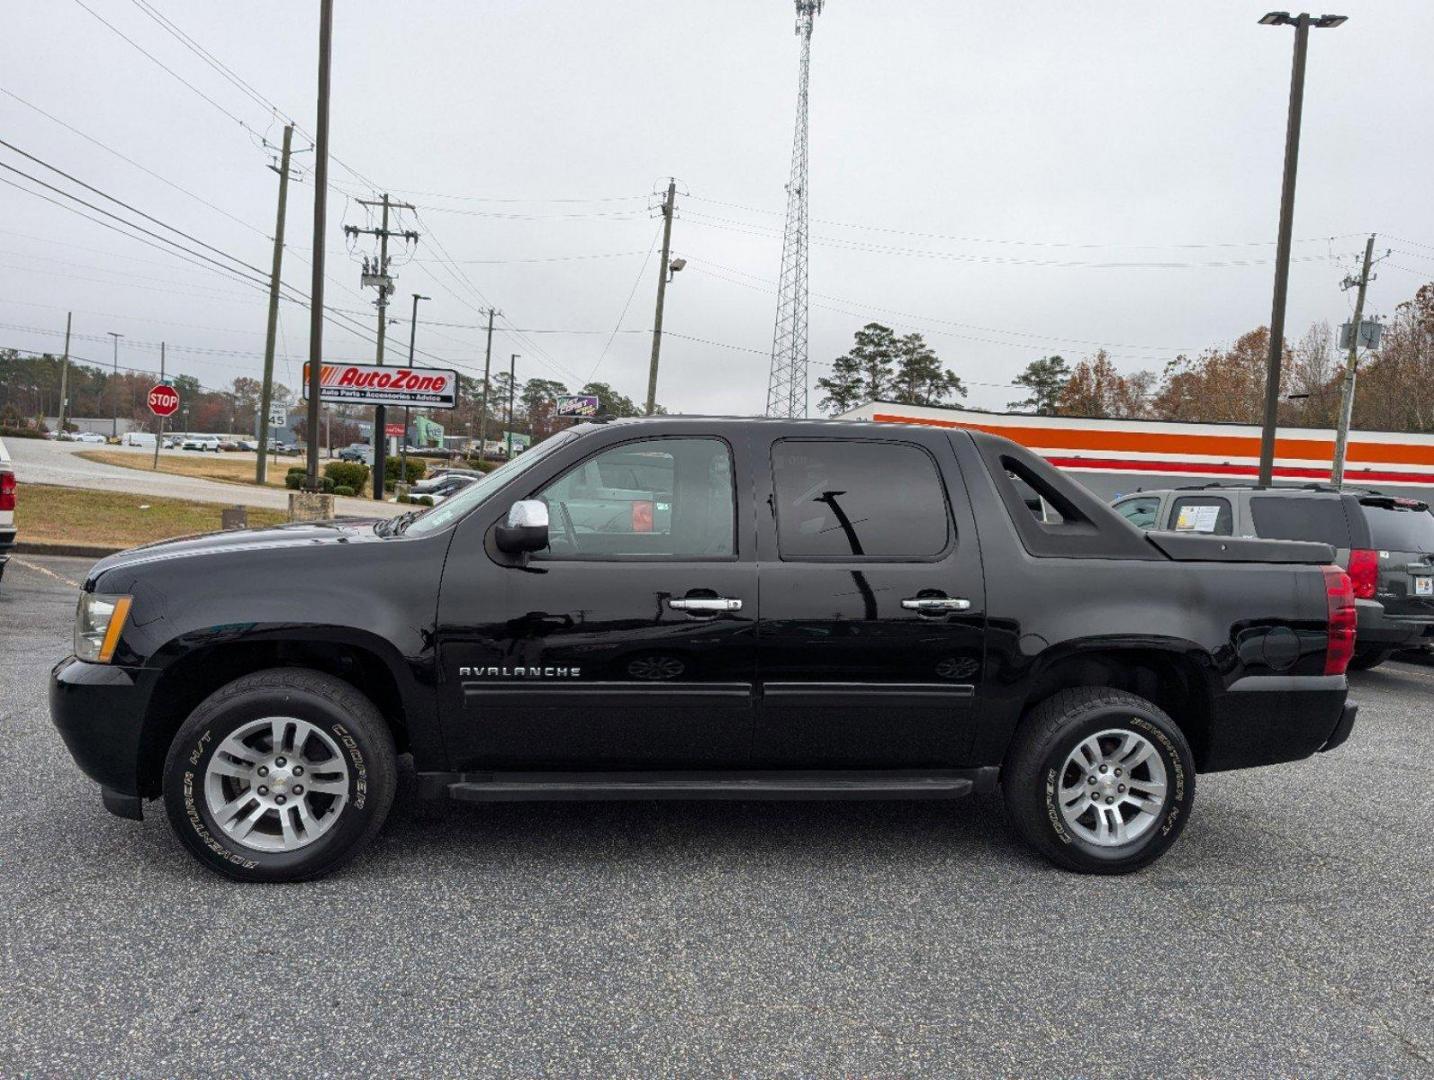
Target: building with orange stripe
x=1113, y=457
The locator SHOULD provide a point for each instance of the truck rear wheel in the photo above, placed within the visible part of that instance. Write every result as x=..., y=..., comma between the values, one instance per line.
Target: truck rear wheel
x=1099, y=780
x=282, y=775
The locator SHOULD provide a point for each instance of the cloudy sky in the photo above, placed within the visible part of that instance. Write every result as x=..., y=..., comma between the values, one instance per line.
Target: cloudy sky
x=1010, y=179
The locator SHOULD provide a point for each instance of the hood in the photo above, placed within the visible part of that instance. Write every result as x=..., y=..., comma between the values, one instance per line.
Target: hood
x=208, y=545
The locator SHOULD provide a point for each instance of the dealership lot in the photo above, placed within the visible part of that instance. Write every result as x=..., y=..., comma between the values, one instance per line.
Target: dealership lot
x=1288, y=933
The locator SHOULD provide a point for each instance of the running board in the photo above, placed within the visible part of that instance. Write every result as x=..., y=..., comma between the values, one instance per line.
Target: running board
x=845, y=784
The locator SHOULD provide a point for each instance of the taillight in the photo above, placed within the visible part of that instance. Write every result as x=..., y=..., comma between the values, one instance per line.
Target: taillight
x=642, y=516
x=1364, y=572
x=7, y=491
x=1339, y=600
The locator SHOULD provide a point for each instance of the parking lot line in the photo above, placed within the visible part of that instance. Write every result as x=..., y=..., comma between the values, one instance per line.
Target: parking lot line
x=48, y=573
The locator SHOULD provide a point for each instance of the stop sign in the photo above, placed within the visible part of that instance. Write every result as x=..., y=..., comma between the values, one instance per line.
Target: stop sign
x=163, y=400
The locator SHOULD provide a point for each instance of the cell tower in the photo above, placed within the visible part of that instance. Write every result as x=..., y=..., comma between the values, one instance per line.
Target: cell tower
x=787, y=385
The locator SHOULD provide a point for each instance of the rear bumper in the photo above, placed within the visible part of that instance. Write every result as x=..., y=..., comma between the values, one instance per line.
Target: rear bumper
x=1342, y=729
x=99, y=711
x=1267, y=719
x=7, y=543
x=1378, y=628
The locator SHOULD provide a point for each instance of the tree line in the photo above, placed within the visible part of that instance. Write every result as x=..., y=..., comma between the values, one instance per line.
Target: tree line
x=1395, y=390
x=30, y=391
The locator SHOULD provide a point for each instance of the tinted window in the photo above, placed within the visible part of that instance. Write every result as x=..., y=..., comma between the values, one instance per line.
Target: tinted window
x=1399, y=528
x=1320, y=520
x=1140, y=512
x=862, y=499
x=664, y=498
x=1207, y=514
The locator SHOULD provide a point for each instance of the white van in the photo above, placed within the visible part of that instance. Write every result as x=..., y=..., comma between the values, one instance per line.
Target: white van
x=138, y=438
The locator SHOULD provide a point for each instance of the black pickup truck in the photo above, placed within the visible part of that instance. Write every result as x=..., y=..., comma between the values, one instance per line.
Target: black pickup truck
x=706, y=608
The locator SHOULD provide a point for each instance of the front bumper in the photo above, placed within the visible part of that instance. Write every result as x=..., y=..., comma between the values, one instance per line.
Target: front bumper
x=1267, y=719
x=99, y=711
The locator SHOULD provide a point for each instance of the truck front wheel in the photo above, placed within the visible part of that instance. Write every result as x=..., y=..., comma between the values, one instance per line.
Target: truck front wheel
x=1099, y=780
x=282, y=775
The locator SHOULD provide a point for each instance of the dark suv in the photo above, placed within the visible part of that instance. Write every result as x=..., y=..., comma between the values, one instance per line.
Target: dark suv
x=1386, y=544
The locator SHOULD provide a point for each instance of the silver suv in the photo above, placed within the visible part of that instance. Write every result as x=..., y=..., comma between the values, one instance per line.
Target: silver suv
x=1386, y=544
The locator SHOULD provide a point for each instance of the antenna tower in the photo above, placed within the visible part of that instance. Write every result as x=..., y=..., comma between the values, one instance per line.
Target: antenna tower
x=787, y=384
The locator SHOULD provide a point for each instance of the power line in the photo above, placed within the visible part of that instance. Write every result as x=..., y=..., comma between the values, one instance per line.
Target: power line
x=1027, y=243
x=162, y=64
x=129, y=160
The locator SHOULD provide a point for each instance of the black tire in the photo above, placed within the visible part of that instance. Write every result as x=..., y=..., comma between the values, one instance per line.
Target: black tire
x=1365, y=659
x=330, y=704
x=1032, y=775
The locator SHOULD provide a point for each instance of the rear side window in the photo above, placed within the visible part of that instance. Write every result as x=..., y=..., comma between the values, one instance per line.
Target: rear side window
x=1208, y=514
x=849, y=499
x=1398, y=528
x=1141, y=512
x=1320, y=520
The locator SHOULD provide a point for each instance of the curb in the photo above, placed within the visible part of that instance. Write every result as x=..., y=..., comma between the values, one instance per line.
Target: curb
x=84, y=551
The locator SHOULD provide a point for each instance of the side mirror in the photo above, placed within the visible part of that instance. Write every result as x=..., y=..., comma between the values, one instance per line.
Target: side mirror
x=526, y=528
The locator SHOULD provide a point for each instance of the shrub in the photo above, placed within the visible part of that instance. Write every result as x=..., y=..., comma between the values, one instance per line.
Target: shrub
x=22, y=433
x=349, y=474
x=294, y=479
x=343, y=489
x=392, y=470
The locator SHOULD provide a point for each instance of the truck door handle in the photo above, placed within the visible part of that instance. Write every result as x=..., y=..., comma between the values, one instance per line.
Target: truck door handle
x=936, y=605
x=705, y=605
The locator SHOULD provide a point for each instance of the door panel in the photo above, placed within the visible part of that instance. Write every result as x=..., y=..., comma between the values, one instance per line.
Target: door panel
x=588, y=666
x=867, y=660
x=630, y=643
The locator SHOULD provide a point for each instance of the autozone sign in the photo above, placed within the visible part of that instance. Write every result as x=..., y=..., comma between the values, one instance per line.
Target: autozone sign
x=369, y=384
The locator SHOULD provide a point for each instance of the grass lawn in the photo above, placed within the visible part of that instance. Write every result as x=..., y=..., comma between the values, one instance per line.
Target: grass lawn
x=48, y=514
x=194, y=463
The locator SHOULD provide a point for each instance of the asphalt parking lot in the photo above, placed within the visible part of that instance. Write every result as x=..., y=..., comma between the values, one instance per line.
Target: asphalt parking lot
x=1287, y=933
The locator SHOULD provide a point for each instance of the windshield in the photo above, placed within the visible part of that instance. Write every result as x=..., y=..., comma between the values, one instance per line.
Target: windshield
x=1398, y=528
x=476, y=493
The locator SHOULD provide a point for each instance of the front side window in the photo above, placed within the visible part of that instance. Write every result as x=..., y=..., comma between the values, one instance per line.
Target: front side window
x=1142, y=512
x=663, y=498
x=1207, y=514
x=849, y=499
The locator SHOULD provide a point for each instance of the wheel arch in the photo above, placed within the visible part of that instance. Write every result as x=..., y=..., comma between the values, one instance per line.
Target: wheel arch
x=1168, y=675
x=190, y=675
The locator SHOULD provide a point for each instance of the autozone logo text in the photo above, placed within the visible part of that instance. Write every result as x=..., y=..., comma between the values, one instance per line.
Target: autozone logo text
x=401, y=379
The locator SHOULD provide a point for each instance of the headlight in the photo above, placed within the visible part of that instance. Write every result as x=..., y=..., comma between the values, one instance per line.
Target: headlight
x=98, y=623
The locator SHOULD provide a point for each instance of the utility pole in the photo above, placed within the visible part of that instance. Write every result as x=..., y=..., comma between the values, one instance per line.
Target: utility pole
x=266, y=397
x=114, y=388
x=1351, y=364
x=512, y=386
x=65, y=372
x=1302, y=24
x=412, y=333
x=321, y=192
x=483, y=414
x=668, y=205
x=376, y=274
x=159, y=428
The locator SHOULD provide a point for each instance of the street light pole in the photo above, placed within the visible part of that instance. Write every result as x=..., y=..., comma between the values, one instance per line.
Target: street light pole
x=114, y=388
x=1302, y=24
x=412, y=333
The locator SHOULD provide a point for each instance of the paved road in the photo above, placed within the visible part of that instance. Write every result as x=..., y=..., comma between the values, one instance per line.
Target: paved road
x=1288, y=933
x=42, y=461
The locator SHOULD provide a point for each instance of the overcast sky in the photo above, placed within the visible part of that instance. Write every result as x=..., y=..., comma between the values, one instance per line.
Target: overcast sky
x=1010, y=179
